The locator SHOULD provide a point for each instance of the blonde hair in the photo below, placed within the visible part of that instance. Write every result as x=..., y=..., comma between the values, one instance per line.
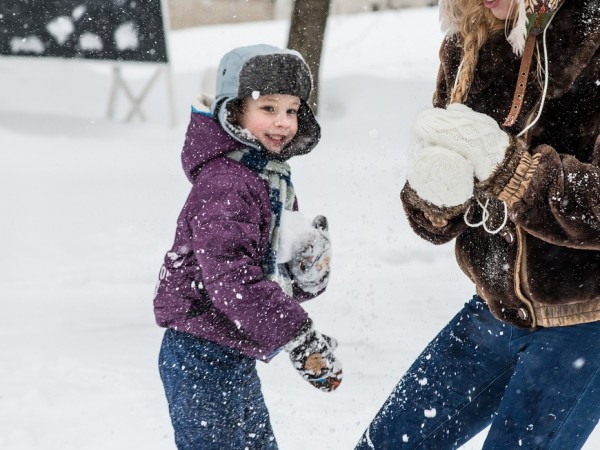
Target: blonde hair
x=476, y=24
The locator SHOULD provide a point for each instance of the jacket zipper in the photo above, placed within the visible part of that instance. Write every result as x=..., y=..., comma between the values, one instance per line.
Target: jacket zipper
x=521, y=275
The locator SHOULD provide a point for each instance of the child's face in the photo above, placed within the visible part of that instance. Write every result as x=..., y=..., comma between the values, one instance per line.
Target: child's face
x=272, y=119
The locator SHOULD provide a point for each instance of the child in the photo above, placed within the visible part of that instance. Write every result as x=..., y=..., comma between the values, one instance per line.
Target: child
x=507, y=164
x=242, y=258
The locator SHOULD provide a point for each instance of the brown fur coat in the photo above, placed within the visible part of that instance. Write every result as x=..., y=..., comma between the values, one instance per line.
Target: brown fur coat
x=543, y=268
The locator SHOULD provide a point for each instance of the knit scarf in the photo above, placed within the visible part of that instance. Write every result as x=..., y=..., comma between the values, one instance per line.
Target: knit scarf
x=281, y=193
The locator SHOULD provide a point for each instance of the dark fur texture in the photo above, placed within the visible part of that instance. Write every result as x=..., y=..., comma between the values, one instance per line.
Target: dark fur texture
x=551, y=269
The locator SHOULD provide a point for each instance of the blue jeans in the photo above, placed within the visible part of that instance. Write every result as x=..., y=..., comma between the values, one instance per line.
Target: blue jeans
x=538, y=389
x=214, y=396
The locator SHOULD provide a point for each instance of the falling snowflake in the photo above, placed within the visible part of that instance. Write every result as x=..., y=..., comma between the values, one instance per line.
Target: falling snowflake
x=430, y=413
x=579, y=363
x=126, y=36
x=90, y=41
x=60, y=28
x=28, y=44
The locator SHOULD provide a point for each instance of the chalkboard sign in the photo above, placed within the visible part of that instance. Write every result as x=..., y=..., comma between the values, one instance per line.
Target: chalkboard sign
x=120, y=30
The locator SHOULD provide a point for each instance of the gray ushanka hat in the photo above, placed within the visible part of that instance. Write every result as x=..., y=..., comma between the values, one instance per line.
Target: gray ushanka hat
x=262, y=70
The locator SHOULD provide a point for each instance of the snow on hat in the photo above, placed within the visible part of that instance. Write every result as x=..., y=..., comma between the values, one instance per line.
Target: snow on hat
x=263, y=69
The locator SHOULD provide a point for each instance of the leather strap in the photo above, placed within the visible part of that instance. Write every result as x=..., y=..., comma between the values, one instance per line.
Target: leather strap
x=519, y=95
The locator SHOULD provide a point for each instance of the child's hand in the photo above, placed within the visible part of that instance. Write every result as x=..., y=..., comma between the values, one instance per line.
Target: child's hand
x=310, y=264
x=312, y=356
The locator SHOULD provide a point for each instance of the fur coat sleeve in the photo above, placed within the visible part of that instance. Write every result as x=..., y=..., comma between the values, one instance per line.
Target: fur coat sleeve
x=550, y=179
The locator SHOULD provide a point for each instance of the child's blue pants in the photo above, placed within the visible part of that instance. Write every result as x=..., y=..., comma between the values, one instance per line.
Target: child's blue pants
x=538, y=389
x=214, y=396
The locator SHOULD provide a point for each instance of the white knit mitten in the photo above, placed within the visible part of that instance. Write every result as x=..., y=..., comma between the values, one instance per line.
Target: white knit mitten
x=472, y=135
x=441, y=176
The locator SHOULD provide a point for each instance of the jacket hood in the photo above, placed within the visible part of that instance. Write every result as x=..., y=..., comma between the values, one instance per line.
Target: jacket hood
x=262, y=70
x=205, y=139
x=527, y=10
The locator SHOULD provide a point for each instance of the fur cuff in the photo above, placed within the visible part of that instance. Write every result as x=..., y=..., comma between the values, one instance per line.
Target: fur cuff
x=439, y=216
x=512, y=177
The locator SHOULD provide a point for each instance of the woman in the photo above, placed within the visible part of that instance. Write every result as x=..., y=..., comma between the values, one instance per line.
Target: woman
x=508, y=164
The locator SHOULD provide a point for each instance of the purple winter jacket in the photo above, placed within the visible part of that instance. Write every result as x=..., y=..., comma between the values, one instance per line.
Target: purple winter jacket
x=211, y=284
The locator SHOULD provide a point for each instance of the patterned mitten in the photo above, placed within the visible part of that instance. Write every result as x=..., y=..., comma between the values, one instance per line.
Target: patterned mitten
x=312, y=356
x=441, y=176
x=310, y=264
x=475, y=136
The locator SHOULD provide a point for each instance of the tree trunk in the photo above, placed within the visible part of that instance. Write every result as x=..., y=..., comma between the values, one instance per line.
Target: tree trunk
x=307, y=32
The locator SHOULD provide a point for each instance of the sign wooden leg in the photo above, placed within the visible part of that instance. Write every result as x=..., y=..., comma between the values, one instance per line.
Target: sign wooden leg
x=119, y=84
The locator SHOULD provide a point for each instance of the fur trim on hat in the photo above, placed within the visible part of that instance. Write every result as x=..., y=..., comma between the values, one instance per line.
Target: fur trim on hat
x=277, y=73
x=518, y=34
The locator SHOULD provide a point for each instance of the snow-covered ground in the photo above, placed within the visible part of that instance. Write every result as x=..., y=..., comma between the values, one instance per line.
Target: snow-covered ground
x=88, y=208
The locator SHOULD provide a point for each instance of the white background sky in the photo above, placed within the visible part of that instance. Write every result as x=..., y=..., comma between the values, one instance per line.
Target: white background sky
x=88, y=209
